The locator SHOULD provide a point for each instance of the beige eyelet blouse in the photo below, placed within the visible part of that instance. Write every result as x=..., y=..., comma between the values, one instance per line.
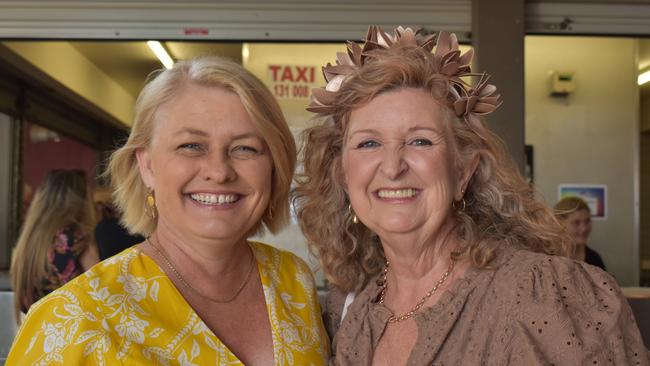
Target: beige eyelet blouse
x=526, y=309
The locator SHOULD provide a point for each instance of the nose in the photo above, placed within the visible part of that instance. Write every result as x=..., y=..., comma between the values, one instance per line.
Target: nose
x=393, y=164
x=218, y=167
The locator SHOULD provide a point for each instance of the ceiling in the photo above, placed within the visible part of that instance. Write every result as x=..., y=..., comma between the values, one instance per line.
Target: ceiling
x=129, y=63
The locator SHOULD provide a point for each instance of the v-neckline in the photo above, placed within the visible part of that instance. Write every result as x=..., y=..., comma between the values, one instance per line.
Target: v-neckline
x=270, y=303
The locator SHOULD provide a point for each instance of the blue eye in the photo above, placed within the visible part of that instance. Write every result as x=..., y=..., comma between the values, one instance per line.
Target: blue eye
x=421, y=142
x=369, y=144
x=190, y=146
x=244, y=152
x=245, y=148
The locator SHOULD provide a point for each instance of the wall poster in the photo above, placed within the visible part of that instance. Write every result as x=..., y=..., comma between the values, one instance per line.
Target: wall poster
x=595, y=195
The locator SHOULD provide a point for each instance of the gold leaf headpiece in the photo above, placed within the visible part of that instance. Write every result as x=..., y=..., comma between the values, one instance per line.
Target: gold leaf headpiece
x=466, y=100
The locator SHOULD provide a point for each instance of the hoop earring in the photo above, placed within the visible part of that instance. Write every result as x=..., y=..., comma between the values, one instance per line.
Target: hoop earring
x=454, y=205
x=355, y=220
x=150, y=201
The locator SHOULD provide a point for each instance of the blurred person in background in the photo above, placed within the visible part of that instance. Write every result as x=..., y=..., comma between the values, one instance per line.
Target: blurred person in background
x=111, y=236
x=575, y=216
x=56, y=241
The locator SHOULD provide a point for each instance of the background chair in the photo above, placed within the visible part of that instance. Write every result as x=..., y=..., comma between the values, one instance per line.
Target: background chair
x=8, y=325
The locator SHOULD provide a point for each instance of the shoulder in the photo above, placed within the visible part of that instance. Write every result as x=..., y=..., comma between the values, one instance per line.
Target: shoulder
x=333, y=310
x=131, y=261
x=105, y=273
x=591, y=251
x=592, y=257
x=530, y=277
x=46, y=335
x=289, y=281
x=567, y=310
x=559, y=275
x=96, y=281
x=82, y=316
x=284, y=268
x=278, y=259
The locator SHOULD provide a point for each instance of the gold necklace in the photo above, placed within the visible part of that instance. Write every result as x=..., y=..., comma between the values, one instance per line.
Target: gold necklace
x=180, y=278
x=409, y=314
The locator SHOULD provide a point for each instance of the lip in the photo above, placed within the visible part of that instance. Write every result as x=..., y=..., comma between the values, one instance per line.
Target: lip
x=215, y=206
x=396, y=199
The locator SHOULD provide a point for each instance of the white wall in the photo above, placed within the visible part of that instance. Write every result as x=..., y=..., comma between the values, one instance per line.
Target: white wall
x=591, y=137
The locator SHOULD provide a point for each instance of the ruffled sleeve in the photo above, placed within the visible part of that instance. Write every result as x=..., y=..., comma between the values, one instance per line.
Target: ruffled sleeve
x=569, y=313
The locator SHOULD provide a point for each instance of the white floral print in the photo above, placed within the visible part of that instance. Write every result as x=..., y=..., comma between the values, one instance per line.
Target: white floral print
x=125, y=310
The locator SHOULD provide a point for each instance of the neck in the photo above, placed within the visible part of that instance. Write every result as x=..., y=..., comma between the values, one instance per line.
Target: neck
x=413, y=257
x=203, y=256
x=580, y=252
x=418, y=275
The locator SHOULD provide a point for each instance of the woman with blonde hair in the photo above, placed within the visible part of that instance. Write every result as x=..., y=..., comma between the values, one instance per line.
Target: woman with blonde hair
x=208, y=163
x=56, y=241
x=435, y=248
x=575, y=215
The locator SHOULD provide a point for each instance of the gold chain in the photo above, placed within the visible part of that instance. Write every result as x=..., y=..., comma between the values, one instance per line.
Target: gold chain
x=180, y=278
x=409, y=314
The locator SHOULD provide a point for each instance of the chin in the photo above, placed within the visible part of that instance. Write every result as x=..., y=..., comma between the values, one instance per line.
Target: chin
x=396, y=226
x=221, y=232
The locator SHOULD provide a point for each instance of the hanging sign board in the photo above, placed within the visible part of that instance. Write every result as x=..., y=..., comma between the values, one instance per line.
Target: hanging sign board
x=292, y=81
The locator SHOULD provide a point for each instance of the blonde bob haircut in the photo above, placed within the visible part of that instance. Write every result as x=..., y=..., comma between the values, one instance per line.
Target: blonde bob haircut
x=129, y=190
x=499, y=206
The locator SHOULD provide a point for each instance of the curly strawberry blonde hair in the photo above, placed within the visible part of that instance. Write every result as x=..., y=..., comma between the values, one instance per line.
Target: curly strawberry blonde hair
x=500, y=207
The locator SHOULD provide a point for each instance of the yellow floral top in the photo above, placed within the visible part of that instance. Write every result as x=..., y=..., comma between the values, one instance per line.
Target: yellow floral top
x=125, y=310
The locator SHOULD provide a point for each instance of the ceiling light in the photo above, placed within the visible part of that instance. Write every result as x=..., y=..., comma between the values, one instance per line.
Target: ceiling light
x=161, y=53
x=245, y=52
x=643, y=78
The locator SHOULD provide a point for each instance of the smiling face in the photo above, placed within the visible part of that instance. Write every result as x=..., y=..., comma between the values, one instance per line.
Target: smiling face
x=399, y=169
x=578, y=224
x=208, y=165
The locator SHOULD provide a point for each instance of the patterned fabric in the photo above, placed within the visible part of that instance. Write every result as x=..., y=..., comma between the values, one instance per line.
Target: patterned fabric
x=125, y=310
x=63, y=258
x=526, y=309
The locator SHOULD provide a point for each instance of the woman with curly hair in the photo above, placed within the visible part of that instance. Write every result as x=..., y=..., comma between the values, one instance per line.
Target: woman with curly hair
x=436, y=250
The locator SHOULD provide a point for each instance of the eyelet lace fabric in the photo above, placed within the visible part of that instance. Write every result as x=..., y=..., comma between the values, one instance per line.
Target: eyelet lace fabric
x=528, y=309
